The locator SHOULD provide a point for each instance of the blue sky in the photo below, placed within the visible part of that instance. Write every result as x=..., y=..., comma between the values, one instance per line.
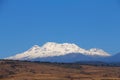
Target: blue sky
x=87, y=23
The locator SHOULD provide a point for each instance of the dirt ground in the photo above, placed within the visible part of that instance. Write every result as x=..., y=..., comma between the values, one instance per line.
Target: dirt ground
x=23, y=70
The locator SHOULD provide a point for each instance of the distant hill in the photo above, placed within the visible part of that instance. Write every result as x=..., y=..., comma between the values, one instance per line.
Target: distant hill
x=114, y=58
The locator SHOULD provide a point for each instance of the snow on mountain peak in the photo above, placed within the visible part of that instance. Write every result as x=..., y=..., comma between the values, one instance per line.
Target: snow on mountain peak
x=51, y=49
x=34, y=48
x=53, y=44
x=60, y=47
x=96, y=50
x=99, y=52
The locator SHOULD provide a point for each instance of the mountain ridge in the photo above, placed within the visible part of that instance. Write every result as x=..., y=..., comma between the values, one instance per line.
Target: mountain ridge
x=52, y=49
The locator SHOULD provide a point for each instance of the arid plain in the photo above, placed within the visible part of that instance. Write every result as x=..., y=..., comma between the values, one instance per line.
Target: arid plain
x=24, y=70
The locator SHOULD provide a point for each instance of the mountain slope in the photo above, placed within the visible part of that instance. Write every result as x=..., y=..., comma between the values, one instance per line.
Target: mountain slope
x=69, y=58
x=114, y=58
x=52, y=49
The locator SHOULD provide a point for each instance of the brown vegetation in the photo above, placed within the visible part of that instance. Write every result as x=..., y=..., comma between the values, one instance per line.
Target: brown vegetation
x=23, y=70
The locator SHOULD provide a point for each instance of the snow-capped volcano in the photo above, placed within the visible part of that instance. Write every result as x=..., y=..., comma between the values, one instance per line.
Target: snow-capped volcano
x=52, y=49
